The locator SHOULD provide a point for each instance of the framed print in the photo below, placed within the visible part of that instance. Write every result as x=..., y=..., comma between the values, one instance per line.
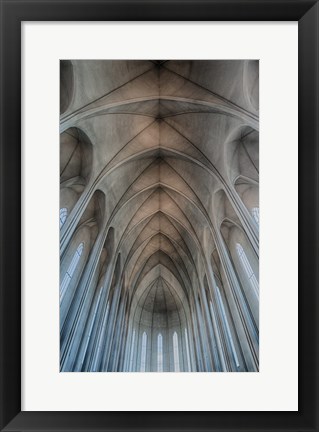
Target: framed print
x=146, y=126
x=142, y=315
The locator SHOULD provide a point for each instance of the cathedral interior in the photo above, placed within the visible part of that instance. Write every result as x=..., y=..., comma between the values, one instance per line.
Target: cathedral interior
x=159, y=216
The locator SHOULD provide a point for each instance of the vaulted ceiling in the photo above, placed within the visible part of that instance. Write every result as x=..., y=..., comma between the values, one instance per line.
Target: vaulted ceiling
x=164, y=141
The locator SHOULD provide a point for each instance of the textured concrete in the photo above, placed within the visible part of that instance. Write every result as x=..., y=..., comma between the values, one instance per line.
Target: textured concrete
x=159, y=180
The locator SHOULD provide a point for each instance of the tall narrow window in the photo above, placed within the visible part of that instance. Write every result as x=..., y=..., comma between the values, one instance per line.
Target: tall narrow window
x=255, y=213
x=176, y=353
x=70, y=271
x=143, y=353
x=247, y=267
x=63, y=215
x=159, y=353
x=132, y=351
x=187, y=352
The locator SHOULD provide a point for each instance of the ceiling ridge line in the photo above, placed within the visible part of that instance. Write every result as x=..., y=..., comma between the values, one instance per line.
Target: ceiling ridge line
x=148, y=240
x=119, y=207
x=212, y=171
x=183, y=180
x=176, y=266
x=216, y=108
x=107, y=169
x=71, y=156
x=195, y=232
x=149, y=288
x=204, y=211
x=180, y=270
x=196, y=271
x=249, y=157
x=181, y=113
x=114, y=211
x=192, y=235
x=145, y=262
x=168, y=215
x=248, y=113
x=211, y=166
x=106, y=110
x=154, y=233
x=170, y=287
x=176, y=263
x=145, y=243
x=146, y=292
x=151, y=216
x=71, y=115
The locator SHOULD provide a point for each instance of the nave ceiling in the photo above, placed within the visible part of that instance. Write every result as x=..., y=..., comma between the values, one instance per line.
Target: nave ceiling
x=160, y=154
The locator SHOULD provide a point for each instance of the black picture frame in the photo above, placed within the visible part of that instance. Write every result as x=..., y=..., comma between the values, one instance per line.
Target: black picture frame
x=13, y=13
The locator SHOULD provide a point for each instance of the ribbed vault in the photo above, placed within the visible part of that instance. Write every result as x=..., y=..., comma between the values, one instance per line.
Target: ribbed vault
x=172, y=147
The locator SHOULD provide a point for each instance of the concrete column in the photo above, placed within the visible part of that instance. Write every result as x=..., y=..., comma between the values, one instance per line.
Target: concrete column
x=128, y=345
x=208, y=362
x=199, y=366
x=109, y=333
x=191, y=345
x=117, y=338
x=80, y=307
x=122, y=363
x=98, y=318
x=244, y=217
x=73, y=219
x=242, y=307
x=216, y=319
x=212, y=330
